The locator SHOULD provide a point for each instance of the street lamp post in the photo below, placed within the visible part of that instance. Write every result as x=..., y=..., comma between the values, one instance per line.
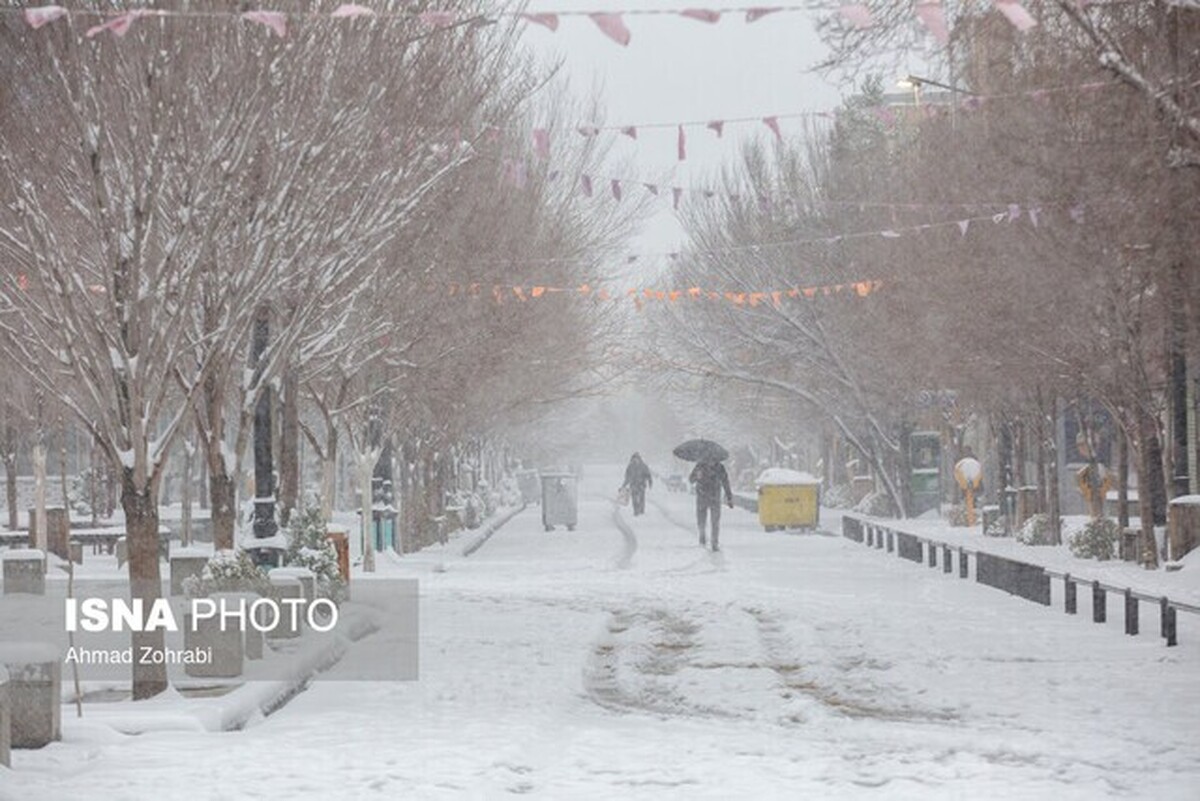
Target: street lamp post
x=915, y=82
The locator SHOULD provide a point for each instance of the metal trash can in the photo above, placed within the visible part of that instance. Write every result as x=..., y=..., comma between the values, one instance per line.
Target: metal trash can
x=527, y=483
x=787, y=499
x=559, y=501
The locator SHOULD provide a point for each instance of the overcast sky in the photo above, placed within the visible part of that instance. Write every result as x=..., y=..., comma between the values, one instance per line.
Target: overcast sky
x=677, y=70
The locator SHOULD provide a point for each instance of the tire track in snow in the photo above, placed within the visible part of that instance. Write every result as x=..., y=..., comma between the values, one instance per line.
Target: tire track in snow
x=864, y=702
x=630, y=546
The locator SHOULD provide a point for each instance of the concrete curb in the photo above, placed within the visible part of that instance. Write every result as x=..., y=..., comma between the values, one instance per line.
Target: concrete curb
x=491, y=528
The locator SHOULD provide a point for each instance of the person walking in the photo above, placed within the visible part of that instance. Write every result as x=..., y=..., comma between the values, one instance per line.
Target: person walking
x=710, y=477
x=637, y=479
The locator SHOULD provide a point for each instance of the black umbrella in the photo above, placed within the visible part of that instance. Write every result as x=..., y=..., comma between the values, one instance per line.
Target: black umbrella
x=701, y=450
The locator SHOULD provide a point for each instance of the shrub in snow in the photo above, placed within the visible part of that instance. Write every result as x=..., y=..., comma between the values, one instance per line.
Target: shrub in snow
x=510, y=492
x=996, y=527
x=838, y=496
x=957, y=515
x=228, y=571
x=1036, y=531
x=309, y=547
x=875, y=504
x=1097, y=540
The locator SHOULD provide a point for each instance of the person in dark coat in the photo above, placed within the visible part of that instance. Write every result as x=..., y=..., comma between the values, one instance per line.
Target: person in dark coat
x=710, y=477
x=637, y=479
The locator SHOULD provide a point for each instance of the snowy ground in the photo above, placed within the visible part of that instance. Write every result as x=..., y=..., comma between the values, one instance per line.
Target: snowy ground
x=622, y=661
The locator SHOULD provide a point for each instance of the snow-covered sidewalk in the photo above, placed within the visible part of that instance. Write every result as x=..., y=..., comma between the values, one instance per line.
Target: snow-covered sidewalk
x=622, y=661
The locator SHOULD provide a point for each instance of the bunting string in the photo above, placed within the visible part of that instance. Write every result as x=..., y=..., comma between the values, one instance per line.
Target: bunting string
x=523, y=293
x=611, y=23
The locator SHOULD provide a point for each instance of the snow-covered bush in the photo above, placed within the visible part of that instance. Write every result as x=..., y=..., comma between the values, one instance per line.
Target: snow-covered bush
x=1097, y=540
x=839, y=496
x=1036, y=531
x=957, y=515
x=875, y=504
x=510, y=492
x=228, y=571
x=308, y=546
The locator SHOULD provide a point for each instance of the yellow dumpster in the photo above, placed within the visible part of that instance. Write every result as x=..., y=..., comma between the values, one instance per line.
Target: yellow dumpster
x=787, y=499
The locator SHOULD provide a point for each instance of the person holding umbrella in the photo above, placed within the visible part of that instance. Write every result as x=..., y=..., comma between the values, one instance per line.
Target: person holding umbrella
x=709, y=476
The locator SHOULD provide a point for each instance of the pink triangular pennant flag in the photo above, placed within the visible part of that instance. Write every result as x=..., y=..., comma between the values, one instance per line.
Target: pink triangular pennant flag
x=43, y=15
x=1033, y=215
x=541, y=142
x=718, y=126
x=630, y=131
x=585, y=182
x=118, y=26
x=676, y=194
x=930, y=14
x=1014, y=212
x=616, y=188
x=588, y=130
x=652, y=189
x=701, y=14
x=350, y=10
x=773, y=124
x=963, y=225
x=1016, y=14
x=612, y=26
x=755, y=14
x=857, y=15
x=681, y=145
x=545, y=20
x=274, y=20
x=437, y=19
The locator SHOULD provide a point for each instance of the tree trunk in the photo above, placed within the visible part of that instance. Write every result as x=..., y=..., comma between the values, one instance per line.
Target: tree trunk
x=1150, y=486
x=1122, y=479
x=329, y=474
x=366, y=471
x=39, y=496
x=62, y=467
x=189, y=455
x=289, y=445
x=10, y=473
x=222, y=493
x=145, y=581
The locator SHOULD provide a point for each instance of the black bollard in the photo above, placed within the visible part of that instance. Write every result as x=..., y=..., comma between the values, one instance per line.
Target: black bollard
x=946, y=565
x=1166, y=620
x=932, y=554
x=891, y=545
x=1069, y=599
x=1131, y=612
x=1099, y=608
x=962, y=563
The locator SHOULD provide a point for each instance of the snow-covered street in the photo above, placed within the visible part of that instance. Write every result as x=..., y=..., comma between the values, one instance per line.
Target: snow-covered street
x=622, y=661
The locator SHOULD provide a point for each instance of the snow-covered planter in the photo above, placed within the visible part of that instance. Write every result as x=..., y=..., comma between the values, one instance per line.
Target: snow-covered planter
x=309, y=547
x=1036, y=531
x=228, y=571
x=1097, y=540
